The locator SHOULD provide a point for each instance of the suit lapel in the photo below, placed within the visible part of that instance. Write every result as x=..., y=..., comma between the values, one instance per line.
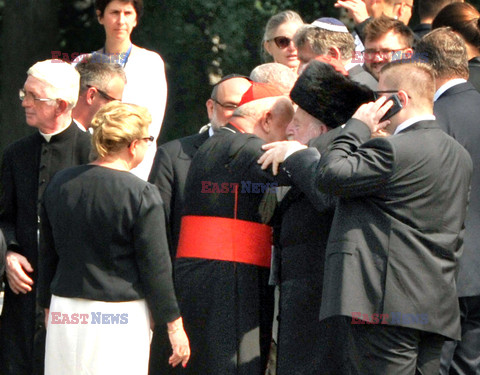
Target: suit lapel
x=190, y=145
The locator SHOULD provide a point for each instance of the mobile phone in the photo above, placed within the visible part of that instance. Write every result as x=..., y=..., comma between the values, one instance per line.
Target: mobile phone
x=394, y=109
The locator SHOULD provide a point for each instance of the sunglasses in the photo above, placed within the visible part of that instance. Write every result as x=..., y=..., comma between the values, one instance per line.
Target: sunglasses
x=282, y=41
x=149, y=139
x=104, y=94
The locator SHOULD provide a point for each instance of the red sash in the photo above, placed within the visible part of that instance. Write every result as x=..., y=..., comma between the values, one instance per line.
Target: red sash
x=220, y=238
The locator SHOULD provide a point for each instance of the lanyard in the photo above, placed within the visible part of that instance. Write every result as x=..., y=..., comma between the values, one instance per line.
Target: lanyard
x=124, y=60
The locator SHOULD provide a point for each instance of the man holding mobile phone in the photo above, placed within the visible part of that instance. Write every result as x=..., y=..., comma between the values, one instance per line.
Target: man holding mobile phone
x=398, y=226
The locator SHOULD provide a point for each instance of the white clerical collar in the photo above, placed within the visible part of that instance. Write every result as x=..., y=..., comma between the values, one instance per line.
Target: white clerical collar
x=446, y=86
x=49, y=136
x=210, y=131
x=412, y=121
x=80, y=126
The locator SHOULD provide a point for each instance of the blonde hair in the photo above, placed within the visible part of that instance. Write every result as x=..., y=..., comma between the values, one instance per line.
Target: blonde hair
x=273, y=23
x=416, y=78
x=116, y=125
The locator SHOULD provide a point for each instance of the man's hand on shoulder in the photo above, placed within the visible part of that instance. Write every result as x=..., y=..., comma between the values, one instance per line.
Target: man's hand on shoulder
x=16, y=266
x=276, y=152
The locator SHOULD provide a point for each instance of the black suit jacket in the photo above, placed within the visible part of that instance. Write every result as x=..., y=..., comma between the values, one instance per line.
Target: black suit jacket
x=360, y=75
x=458, y=113
x=474, y=72
x=398, y=225
x=169, y=173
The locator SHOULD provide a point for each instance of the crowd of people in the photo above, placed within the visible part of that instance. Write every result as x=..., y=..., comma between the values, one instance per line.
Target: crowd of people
x=324, y=221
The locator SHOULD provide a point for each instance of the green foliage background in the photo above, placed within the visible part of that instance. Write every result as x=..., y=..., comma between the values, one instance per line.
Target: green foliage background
x=199, y=40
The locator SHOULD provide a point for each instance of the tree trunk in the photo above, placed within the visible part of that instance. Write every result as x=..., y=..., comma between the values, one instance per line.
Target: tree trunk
x=29, y=34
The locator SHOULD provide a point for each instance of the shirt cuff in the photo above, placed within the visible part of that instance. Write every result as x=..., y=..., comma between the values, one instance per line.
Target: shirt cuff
x=294, y=148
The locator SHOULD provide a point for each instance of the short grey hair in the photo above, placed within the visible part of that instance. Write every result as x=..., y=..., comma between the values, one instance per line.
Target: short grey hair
x=98, y=74
x=321, y=40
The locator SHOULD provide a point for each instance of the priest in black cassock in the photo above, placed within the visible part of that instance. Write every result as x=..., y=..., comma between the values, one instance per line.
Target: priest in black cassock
x=48, y=96
x=223, y=256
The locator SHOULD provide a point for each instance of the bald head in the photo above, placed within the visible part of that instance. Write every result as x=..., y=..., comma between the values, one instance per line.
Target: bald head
x=267, y=118
x=275, y=74
x=224, y=100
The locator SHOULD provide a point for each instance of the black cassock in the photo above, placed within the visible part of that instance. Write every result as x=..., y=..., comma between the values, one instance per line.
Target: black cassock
x=27, y=167
x=304, y=224
x=227, y=306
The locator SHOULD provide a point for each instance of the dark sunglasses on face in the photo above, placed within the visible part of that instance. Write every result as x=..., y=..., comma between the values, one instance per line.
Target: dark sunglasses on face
x=104, y=94
x=282, y=41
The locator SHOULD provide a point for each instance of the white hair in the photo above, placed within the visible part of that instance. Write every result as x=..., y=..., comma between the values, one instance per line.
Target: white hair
x=61, y=79
x=275, y=74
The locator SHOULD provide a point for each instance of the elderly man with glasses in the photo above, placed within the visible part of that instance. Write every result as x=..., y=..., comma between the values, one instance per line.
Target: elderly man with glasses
x=48, y=97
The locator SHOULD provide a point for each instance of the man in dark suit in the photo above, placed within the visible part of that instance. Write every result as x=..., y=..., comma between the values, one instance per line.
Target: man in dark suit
x=457, y=108
x=173, y=159
x=169, y=173
x=398, y=226
x=48, y=96
x=100, y=83
x=330, y=37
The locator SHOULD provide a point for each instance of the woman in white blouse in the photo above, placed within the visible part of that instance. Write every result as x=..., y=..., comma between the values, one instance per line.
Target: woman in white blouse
x=145, y=70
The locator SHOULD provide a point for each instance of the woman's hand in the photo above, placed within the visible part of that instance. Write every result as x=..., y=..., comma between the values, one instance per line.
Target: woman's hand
x=180, y=345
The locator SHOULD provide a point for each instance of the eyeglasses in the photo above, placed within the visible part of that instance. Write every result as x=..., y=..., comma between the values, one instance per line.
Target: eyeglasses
x=229, y=106
x=282, y=41
x=393, y=54
x=103, y=94
x=149, y=139
x=378, y=94
x=22, y=95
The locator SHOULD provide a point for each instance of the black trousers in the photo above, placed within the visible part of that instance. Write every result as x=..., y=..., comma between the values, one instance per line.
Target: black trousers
x=392, y=350
x=464, y=357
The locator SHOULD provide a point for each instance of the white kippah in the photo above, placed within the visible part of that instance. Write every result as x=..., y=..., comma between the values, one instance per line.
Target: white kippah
x=331, y=24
